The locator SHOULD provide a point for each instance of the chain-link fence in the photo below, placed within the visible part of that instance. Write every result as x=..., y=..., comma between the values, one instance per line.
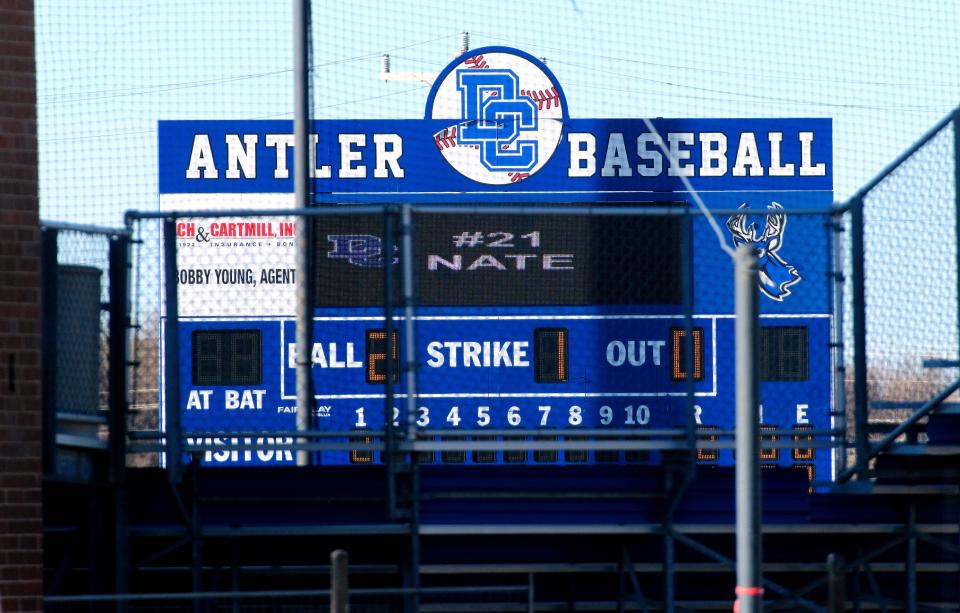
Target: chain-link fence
x=475, y=348
x=531, y=335
x=107, y=74
x=909, y=264
x=78, y=273
x=136, y=67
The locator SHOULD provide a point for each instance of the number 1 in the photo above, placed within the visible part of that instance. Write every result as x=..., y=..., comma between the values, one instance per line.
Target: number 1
x=534, y=238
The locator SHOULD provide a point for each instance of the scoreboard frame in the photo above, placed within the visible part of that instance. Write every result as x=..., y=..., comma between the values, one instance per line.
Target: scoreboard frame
x=496, y=146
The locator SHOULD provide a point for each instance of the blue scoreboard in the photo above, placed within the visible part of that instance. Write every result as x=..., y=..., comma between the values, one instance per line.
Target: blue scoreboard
x=541, y=325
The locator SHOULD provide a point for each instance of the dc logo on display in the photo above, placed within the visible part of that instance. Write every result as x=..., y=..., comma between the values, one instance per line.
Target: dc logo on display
x=508, y=111
x=364, y=250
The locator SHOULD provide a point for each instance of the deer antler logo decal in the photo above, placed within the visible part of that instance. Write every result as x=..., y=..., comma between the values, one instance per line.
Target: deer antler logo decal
x=776, y=275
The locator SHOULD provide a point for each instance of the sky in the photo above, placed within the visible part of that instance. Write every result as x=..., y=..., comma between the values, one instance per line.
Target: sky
x=884, y=71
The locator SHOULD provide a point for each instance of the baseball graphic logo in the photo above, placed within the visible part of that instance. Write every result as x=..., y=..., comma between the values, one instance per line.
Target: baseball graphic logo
x=506, y=113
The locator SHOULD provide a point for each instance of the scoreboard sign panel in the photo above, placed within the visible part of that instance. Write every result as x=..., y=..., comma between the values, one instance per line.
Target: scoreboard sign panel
x=543, y=324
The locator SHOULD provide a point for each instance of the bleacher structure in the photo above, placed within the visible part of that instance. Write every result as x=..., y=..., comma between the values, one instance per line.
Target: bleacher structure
x=122, y=530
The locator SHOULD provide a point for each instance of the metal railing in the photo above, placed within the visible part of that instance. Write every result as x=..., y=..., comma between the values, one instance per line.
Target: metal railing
x=406, y=437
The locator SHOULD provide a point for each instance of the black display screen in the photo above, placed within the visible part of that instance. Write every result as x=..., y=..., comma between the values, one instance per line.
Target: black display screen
x=504, y=260
x=784, y=353
x=226, y=357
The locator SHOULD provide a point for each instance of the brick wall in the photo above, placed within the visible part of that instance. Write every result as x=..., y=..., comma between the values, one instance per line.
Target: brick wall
x=21, y=559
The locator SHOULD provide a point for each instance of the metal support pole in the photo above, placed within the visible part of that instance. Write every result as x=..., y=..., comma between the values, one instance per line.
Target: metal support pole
x=686, y=237
x=389, y=431
x=119, y=259
x=860, y=399
x=301, y=180
x=531, y=594
x=171, y=354
x=673, y=491
x=857, y=596
x=839, y=415
x=339, y=582
x=413, y=605
x=235, y=582
x=410, y=370
x=48, y=296
x=196, y=533
x=672, y=488
x=911, y=563
x=621, y=584
x=669, y=574
x=836, y=584
x=956, y=206
x=749, y=591
x=409, y=346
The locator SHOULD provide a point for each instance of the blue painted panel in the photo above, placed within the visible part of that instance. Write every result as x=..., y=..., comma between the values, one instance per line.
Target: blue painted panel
x=427, y=177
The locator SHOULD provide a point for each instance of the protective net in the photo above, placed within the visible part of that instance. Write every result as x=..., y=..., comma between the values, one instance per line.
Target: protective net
x=476, y=334
x=910, y=263
x=107, y=74
x=881, y=75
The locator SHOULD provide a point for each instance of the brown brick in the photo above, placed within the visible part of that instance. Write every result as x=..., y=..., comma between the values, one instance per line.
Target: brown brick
x=28, y=419
x=12, y=96
x=22, y=173
x=17, y=80
x=16, y=16
x=17, y=5
x=17, y=157
x=14, y=31
x=18, y=119
x=16, y=48
x=10, y=451
x=29, y=541
x=22, y=465
x=22, y=64
x=20, y=435
x=25, y=142
x=21, y=480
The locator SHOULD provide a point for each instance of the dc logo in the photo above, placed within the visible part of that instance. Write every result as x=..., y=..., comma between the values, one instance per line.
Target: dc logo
x=364, y=250
x=494, y=116
x=508, y=111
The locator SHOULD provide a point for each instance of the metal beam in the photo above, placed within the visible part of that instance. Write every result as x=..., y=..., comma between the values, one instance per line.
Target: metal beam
x=860, y=396
x=390, y=458
x=119, y=261
x=339, y=582
x=301, y=168
x=171, y=353
x=118, y=394
x=774, y=587
x=956, y=211
x=911, y=562
x=749, y=588
x=48, y=301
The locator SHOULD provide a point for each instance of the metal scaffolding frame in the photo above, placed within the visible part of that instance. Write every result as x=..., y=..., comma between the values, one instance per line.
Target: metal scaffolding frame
x=402, y=497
